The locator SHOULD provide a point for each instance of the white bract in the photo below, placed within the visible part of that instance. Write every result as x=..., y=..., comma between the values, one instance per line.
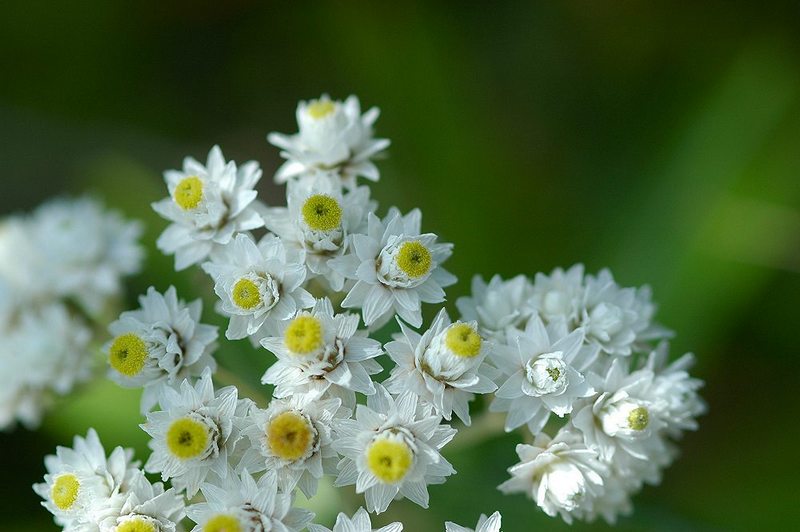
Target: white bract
x=497, y=305
x=485, y=524
x=147, y=508
x=359, y=523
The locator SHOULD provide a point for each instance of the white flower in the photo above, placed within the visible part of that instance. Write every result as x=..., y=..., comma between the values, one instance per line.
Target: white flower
x=147, y=508
x=543, y=368
x=160, y=344
x=445, y=366
x=44, y=353
x=391, y=449
x=82, y=486
x=293, y=438
x=559, y=295
x=359, y=523
x=497, y=305
x=485, y=524
x=333, y=135
x=317, y=221
x=239, y=503
x=194, y=433
x=208, y=206
x=396, y=269
x=256, y=283
x=561, y=475
x=319, y=352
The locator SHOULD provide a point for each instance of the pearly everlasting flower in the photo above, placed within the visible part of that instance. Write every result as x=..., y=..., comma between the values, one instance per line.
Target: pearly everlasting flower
x=321, y=352
x=317, y=221
x=194, y=433
x=208, y=206
x=239, y=503
x=147, y=508
x=391, y=449
x=444, y=367
x=256, y=283
x=497, y=305
x=160, y=344
x=542, y=368
x=559, y=296
x=359, y=523
x=293, y=438
x=561, y=475
x=44, y=353
x=396, y=269
x=485, y=524
x=333, y=136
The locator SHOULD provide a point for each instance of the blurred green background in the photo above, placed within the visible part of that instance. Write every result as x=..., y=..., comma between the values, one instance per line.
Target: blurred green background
x=660, y=139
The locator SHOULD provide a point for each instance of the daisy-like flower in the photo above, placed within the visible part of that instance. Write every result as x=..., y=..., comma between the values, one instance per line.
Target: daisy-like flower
x=147, y=508
x=559, y=296
x=160, y=344
x=333, y=136
x=497, y=305
x=319, y=352
x=485, y=524
x=293, y=438
x=561, y=475
x=208, y=206
x=359, y=523
x=240, y=504
x=444, y=366
x=395, y=268
x=195, y=433
x=542, y=366
x=391, y=449
x=317, y=221
x=82, y=486
x=256, y=283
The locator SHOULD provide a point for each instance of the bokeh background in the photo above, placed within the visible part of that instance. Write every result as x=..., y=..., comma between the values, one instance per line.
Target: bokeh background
x=660, y=139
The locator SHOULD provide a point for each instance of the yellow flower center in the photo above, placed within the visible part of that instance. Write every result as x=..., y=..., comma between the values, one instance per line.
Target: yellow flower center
x=320, y=108
x=187, y=438
x=462, y=340
x=322, y=213
x=189, y=193
x=245, y=294
x=136, y=525
x=128, y=354
x=639, y=418
x=304, y=335
x=65, y=491
x=389, y=460
x=289, y=436
x=414, y=259
x=222, y=523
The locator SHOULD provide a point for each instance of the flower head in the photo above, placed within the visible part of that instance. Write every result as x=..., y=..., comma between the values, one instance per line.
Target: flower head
x=360, y=522
x=485, y=524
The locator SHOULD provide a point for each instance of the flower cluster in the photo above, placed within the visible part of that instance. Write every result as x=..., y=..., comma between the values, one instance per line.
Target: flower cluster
x=307, y=284
x=61, y=270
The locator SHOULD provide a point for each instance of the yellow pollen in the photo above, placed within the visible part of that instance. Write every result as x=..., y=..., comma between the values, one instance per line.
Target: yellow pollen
x=245, y=294
x=414, y=259
x=322, y=213
x=639, y=418
x=320, y=108
x=65, y=491
x=289, y=436
x=128, y=354
x=222, y=523
x=304, y=335
x=136, y=525
x=462, y=340
x=187, y=438
x=389, y=460
x=188, y=193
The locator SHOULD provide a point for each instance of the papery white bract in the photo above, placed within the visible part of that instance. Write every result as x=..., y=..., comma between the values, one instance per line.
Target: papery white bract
x=147, y=507
x=485, y=524
x=497, y=305
x=359, y=523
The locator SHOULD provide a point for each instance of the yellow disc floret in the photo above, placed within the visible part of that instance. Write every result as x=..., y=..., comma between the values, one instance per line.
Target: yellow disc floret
x=320, y=108
x=245, y=294
x=322, y=213
x=222, y=523
x=136, y=525
x=639, y=418
x=389, y=460
x=189, y=193
x=187, y=438
x=462, y=340
x=414, y=259
x=304, y=335
x=65, y=491
x=128, y=354
x=289, y=436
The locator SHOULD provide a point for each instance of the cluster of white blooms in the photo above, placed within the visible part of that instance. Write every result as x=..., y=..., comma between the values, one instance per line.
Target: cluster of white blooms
x=61, y=269
x=307, y=284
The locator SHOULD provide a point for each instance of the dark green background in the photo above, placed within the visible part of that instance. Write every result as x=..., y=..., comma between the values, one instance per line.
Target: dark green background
x=660, y=139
